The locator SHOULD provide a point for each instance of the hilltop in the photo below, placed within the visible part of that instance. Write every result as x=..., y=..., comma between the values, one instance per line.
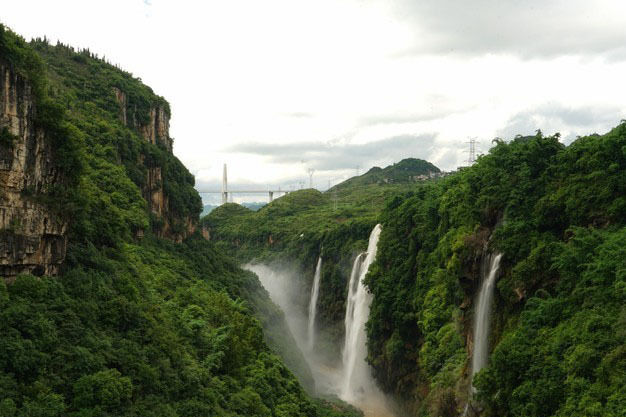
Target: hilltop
x=406, y=171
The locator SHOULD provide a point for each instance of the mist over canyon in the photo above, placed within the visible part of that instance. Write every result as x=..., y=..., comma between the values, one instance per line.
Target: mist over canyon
x=380, y=271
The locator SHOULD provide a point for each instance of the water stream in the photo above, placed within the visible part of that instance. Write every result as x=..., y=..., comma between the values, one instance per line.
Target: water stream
x=357, y=384
x=483, y=313
x=352, y=381
x=315, y=289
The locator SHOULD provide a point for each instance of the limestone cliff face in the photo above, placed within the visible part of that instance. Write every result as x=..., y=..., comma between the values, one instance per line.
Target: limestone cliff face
x=156, y=132
x=158, y=128
x=32, y=238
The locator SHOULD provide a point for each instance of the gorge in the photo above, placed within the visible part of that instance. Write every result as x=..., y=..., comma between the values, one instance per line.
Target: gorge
x=442, y=303
x=496, y=290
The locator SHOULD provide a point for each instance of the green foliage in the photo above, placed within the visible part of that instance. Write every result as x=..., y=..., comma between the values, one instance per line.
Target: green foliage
x=66, y=141
x=130, y=327
x=84, y=88
x=557, y=214
x=295, y=230
x=142, y=328
x=6, y=138
x=567, y=356
x=405, y=171
x=106, y=390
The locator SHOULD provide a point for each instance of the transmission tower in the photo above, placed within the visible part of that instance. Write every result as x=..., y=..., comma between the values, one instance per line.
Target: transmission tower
x=472, y=151
x=310, y=171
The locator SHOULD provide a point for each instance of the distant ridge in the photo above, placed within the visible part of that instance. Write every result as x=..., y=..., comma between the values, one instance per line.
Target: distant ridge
x=254, y=206
x=406, y=171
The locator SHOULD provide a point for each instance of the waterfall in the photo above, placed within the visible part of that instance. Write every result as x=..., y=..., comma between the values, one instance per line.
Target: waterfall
x=356, y=380
x=482, y=313
x=315, y=289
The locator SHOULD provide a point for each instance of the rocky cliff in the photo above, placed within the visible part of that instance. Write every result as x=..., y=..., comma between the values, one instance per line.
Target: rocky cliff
x=153, y=127
x=155, y=130
x=33, y=238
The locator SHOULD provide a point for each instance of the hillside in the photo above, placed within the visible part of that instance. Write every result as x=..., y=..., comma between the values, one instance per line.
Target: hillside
x=294, y=230
x=111, y=301
x=116, y=300
x=207, y=208
x=408, y=170
x=556, y=214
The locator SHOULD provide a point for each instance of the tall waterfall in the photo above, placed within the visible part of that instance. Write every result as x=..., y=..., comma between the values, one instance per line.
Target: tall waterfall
x=315, y=289
x=356, y=380
x=482, y=313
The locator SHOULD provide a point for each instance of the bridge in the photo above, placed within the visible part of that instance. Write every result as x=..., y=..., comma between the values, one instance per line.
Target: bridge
x=225, y=191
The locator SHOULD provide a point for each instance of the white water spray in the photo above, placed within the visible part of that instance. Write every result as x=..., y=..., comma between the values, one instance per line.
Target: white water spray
x=483, y=312
x=357, y=383
x=315, y=289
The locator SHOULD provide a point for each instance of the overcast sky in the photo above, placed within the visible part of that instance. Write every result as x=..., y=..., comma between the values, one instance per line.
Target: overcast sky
x=276, y=87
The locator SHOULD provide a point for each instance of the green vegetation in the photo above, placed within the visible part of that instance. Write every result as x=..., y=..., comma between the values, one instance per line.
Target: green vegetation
x=406, y=171
x=131, y=327
x=295, y=229
x=147, y=327
x=557, y=213
x=86, y=87
x=66, y=141
x=6, y=138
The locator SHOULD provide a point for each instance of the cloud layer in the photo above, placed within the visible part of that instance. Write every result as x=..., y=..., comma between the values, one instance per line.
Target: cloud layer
x=569, y=121
x=528, y=29
x=328, y=156
x=267, y=87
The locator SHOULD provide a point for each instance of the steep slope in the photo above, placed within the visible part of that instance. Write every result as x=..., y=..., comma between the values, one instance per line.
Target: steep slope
x=125, y=123
x=294, y=230
x=133, y=324
x=557, y=215
x=39, y=166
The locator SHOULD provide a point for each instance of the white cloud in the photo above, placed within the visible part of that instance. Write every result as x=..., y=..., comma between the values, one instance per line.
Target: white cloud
x=349, y=72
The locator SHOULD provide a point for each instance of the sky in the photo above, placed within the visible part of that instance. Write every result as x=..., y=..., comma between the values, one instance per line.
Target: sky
x=274, y=88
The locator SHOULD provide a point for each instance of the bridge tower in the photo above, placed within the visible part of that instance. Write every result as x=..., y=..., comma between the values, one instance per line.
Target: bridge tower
x=224, y=186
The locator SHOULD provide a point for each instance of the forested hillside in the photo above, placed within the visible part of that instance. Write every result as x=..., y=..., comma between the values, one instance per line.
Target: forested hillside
x=143, y=317
x=408, y=170
x=557, y=214
x=294, y=230
x=114, y=302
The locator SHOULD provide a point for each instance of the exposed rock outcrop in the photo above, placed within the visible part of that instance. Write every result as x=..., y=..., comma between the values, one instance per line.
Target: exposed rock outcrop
x=158, y=128
x=156, y=132
x=32, y=237
x=120, y=96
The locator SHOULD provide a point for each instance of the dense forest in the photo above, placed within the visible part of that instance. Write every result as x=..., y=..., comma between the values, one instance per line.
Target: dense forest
x=134, y=324
x=556, y=213
x=150, y=313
